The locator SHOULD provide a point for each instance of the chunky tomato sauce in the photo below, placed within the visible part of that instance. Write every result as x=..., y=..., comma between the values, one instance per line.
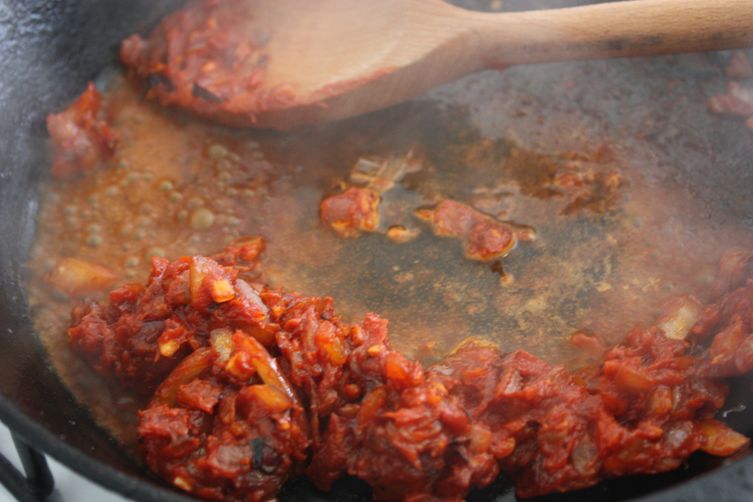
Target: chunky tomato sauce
x=202, y=58
x=83, y=140
x=514, y=273
x=256, y=385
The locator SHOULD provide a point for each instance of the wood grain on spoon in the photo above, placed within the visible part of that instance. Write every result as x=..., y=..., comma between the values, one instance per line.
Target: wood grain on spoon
x=339, y=58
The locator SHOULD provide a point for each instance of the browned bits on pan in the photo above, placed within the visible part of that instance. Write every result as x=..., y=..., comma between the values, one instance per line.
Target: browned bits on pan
x=401, y=234
x=739, y=66
x=351, y=212
x=738, y=100
x=484, y=238
x=488, y=240
x=81, y=139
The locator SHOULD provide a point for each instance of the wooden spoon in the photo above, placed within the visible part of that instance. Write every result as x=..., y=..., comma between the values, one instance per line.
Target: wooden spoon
x=342, y=58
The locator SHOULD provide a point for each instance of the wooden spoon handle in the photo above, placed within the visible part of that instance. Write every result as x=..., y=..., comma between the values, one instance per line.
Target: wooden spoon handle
x=616, y=29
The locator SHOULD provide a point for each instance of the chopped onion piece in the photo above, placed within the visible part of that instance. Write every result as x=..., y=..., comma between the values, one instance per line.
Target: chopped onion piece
x=720, y=440
x=188, y=369
x=77, y=277
x=222, y=290
x=271, y=398
x=251, y=295
x=264, y=364
x=168, y=348
x=222, y=343
x=682, y=315
x=208, y=282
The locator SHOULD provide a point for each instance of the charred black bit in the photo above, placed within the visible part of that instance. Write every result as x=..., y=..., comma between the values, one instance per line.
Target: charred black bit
x=258, y=449
x=159, y=80
x=497, y=267
x=201, y=93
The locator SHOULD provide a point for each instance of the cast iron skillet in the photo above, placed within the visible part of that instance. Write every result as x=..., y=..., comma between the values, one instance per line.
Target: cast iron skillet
x=48, y=50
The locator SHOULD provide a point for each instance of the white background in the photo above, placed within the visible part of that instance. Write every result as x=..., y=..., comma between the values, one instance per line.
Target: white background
x=69, y=486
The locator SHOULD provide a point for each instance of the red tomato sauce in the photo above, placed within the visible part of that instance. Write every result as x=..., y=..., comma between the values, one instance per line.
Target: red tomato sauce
x=254, y=385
